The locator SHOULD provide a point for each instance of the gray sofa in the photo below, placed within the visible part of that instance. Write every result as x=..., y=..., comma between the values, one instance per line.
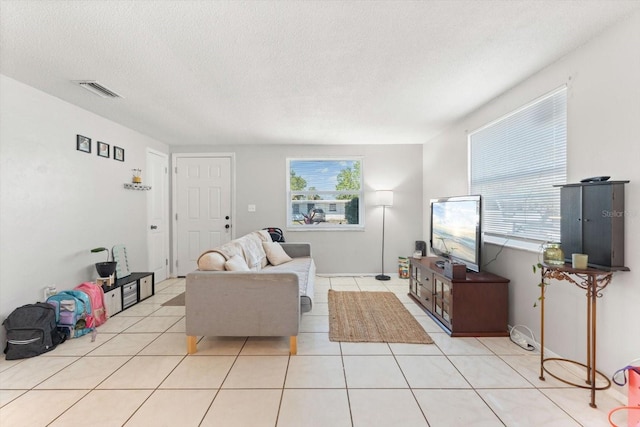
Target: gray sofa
x=266, y=301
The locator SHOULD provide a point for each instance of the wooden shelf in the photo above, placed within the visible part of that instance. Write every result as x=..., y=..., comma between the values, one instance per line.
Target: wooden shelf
x=128, y=291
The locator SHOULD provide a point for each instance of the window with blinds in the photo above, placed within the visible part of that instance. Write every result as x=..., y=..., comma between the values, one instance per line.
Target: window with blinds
x=514, y=164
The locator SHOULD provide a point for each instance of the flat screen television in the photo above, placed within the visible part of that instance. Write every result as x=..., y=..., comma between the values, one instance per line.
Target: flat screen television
x=456, y=229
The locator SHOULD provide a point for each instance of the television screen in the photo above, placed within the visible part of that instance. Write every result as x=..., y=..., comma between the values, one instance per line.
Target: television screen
x=455, y=229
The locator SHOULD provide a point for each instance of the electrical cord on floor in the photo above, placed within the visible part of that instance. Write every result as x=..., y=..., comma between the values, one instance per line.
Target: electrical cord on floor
x=518, y=339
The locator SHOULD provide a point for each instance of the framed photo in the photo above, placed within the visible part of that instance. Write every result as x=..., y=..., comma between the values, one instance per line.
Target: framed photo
x=83, y=143
x=118, y=153
x=103, y=149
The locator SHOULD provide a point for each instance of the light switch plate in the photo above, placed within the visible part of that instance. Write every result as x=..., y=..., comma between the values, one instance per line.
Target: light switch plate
x=251, y=208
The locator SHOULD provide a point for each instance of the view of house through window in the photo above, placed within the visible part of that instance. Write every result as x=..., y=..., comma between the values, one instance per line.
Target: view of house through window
x=324, y=193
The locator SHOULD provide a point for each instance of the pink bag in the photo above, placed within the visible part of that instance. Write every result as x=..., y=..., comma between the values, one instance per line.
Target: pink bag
x=634, y=396
x=96, y=296
x=633, y=407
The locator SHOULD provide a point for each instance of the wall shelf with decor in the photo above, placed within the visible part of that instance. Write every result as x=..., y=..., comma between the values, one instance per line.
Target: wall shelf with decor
x=141, y=187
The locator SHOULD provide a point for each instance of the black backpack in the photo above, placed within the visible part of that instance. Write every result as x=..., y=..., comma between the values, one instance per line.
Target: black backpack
x=276, y=234
x=31, y=330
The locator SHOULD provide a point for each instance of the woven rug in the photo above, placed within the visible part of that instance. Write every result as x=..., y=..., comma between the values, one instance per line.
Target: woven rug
x=372, y=317
x=177, y=300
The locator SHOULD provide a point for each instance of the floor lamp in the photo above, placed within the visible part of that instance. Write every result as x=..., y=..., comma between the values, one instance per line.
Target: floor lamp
x=385, y=198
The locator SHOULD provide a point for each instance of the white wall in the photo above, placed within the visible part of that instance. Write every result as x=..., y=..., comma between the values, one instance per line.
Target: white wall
x=603, y=78
x=57, y=203
x=261, y=181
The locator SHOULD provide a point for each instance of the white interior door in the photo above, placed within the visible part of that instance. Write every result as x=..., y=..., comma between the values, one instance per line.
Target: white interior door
x=203, y=207
x=158, y=214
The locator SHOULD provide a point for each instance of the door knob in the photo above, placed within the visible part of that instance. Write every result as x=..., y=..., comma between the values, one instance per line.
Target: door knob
x=154, y=227
x=226, y=217
x=227, y=226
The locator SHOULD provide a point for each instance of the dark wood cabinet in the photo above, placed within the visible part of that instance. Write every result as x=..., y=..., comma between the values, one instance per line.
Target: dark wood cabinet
x=477, y=305
x=592, y=222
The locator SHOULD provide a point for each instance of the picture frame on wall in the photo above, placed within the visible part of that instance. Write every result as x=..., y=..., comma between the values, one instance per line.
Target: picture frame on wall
x=103, y=149
x=83, y=144
x=118, y=153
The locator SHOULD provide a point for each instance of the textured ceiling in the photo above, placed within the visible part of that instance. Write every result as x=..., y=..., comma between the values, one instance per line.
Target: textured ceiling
x=291, y=72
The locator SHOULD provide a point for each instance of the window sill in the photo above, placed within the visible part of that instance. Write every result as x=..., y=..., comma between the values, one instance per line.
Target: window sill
x=514, y=243
x=325, y=228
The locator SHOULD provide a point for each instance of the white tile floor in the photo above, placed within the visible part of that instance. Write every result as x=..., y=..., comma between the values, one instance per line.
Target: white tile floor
x=137, y=373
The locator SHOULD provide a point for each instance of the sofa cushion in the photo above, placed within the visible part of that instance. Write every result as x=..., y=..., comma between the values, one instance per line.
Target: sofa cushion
x=275, y=254
x=211, y=261
x=305, y=269
x=236, y=263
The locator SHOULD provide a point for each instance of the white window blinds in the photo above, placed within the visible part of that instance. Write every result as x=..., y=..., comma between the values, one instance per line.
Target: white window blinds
x=514, y=164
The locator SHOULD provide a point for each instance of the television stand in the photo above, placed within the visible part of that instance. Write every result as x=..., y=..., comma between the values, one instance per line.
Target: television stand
x=476, y=306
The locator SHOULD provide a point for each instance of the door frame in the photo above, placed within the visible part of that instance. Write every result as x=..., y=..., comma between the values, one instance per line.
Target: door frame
x=165, y=207
x=174, y=198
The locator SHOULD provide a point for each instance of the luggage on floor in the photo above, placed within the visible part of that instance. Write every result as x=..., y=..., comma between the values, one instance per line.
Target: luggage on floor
x=96, y=297
x=73, y=313
x=31, y=330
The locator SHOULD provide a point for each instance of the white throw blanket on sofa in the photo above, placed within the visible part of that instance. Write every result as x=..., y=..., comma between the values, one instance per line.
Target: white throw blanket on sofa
x=248, y=247
x=253, y=250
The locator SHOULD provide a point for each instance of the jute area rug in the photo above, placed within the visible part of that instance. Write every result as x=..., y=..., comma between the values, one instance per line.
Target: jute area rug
x=177, y=300
x=372, y=317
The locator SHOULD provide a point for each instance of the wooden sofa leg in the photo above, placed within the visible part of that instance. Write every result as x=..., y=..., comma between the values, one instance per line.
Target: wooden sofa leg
x=293, y=344
x=192, y=344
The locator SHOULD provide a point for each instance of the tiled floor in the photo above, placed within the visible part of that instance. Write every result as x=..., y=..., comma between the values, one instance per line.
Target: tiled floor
x=137, y=373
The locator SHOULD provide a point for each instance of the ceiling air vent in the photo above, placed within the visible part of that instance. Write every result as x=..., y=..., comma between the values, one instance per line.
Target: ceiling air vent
x=96, y=88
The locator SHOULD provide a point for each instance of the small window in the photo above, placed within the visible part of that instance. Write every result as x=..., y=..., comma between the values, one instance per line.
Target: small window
x=515, y=163
x=324, y=194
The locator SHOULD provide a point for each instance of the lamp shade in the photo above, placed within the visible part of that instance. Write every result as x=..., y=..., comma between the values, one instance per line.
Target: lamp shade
x=385, y=197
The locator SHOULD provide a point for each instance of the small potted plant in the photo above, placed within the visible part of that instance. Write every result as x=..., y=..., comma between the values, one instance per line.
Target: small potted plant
x=104, y=269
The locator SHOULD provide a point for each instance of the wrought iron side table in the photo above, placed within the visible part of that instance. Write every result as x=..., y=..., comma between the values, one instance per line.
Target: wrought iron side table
x=593, y=281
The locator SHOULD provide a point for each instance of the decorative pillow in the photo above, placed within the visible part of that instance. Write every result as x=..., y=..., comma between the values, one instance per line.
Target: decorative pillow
x=236, y=263
x=264, y=235
x=275, y=254
x=211, y=261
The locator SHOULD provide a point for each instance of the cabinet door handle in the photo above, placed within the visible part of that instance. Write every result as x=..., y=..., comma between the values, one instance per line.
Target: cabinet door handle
x=154, y=227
